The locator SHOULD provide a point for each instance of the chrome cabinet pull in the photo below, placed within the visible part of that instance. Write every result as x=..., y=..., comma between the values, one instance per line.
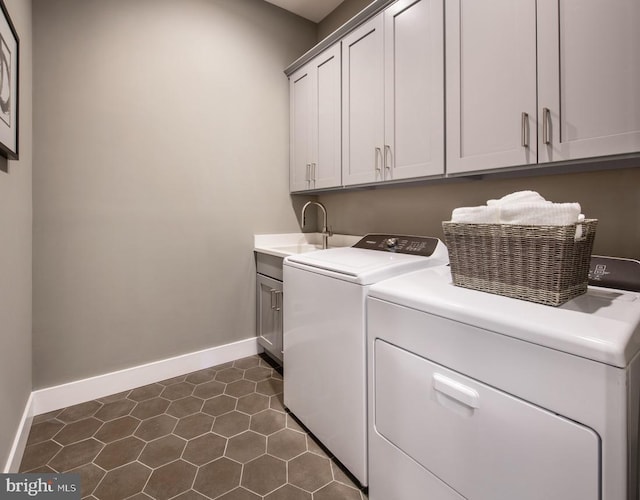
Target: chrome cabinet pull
x=274, y=299
x=387, y=149
x=525, y=130
x=307, y=176
x=546, y=125
x=378, y=153
x=278, y=302
x=313, y=172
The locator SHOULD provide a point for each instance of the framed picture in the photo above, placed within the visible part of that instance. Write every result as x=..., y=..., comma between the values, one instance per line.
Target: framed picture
x=9, y=45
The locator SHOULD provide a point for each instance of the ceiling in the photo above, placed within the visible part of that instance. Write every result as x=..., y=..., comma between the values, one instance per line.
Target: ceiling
x=314, y=10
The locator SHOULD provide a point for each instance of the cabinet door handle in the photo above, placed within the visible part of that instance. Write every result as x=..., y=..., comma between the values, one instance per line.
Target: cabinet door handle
x=525, y=130
x=387, y=149
x=546, y=125
x=455, y=390
x=378, y=154
x=313, y=173
x=274, y=299
x=278, y=293
x=307, y=176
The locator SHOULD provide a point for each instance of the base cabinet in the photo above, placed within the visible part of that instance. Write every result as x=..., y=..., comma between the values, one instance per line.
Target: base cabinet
x=269, y=307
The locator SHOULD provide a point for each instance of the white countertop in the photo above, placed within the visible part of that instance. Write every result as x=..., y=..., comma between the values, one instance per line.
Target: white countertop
x=283, y=245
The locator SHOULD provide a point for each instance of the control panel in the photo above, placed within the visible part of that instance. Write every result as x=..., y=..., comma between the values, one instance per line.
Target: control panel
x=412, y=245
x=613, y=272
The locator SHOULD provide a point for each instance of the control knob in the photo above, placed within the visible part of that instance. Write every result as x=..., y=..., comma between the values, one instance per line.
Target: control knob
x=392, y=242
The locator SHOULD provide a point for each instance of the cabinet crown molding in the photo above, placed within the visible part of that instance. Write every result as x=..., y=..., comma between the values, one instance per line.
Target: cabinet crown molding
x=369, y=11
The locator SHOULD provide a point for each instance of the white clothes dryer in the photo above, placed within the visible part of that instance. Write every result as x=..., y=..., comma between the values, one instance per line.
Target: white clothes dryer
x=483, y=397
x=325, y=337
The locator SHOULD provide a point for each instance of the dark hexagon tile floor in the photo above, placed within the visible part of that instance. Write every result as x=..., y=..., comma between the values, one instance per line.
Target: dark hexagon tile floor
x=219, y=433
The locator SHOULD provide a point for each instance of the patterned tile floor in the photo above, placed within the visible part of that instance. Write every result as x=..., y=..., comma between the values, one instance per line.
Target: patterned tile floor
x=219, y=433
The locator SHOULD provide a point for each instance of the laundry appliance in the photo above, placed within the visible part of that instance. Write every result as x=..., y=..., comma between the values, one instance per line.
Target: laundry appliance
x=483, y=397
x=325, y=337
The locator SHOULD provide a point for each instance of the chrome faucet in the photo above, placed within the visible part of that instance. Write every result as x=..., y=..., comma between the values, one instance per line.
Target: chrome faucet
x=326, y=231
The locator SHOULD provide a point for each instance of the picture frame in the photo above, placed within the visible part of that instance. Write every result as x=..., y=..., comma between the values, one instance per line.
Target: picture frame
x=9, y=85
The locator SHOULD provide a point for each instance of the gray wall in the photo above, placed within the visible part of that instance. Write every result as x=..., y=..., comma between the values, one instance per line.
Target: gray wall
x=15, y=251
x=161, y=131
x=340, y=15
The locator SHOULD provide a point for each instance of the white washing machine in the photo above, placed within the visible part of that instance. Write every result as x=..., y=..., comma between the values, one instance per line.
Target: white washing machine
x=481, y=397
x=325, y=337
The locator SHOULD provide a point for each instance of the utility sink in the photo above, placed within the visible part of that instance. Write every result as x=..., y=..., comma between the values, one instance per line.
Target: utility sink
x=299, y=248
x=283, y=245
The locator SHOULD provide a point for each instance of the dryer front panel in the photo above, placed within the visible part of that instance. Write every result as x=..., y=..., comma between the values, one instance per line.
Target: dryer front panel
x=483, y=443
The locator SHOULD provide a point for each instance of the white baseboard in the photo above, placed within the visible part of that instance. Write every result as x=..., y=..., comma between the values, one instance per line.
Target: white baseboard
x=61, y=396
x=20, y=441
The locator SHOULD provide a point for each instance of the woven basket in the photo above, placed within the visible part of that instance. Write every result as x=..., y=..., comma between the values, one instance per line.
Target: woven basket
x=543, y=264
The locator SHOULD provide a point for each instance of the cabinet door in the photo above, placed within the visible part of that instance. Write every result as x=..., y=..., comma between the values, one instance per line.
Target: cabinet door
x=589, y=78
x=269, y=314
x=491, y=84
x=414, y=89
x=362, y=92
x=326, y=164
x=300, y=113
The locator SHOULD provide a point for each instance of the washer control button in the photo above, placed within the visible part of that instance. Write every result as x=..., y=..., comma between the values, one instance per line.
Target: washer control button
x=392, y=242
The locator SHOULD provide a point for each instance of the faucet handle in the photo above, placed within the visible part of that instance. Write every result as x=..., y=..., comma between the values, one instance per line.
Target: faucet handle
x=327, y=231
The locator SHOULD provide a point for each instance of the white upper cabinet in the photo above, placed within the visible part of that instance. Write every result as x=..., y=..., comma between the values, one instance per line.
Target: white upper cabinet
x=527, y=82
x=300, y=129
x=589, y=78
x=393, y=93
x=326, y=129
x=414, y=89
x=532, y=82
x=363, y=93
x=315, y=114
x=491, y=84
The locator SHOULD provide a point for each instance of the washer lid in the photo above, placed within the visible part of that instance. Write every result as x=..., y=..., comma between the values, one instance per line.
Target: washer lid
x=364, y=266
x=602, y=325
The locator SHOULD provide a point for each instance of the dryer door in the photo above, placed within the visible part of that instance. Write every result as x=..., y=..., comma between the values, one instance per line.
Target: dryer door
x=483, y=443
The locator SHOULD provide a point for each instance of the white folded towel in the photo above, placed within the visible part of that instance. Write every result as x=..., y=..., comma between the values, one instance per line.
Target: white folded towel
x=522, y=208
x=476, y=215
x=540, y=214
x=518, y=197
